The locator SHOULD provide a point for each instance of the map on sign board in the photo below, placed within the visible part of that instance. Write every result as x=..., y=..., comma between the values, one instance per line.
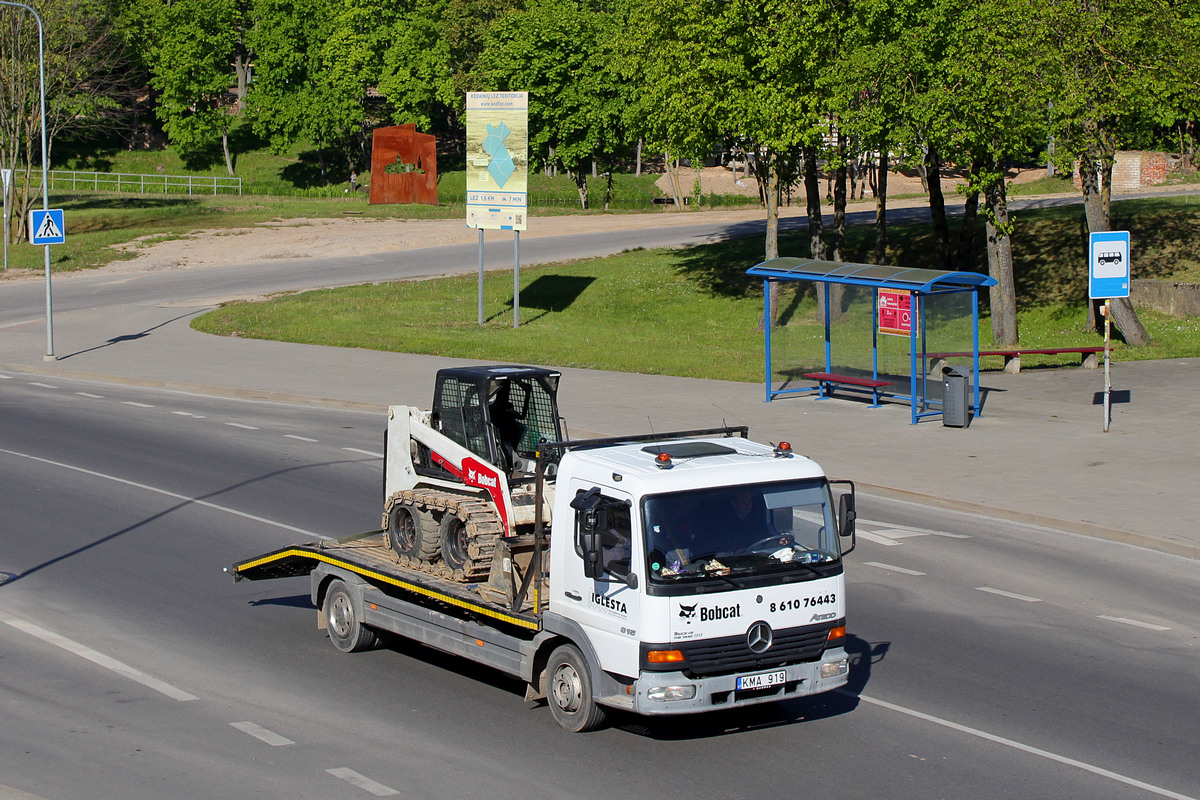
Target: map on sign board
x=497, y=160
x=896, y=309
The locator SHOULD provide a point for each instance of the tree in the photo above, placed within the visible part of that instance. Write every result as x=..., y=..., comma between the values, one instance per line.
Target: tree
x=1108, y=61
x=561, y=53
x=85, y=85
x=197, y=53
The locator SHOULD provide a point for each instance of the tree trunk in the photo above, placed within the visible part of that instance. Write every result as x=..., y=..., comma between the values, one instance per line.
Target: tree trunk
x=937, y=209
x=638, y=173
x=766, y=170
x=580, y=178
x=881, y=181
x=966, y=234
x=241, y=70
x=812, y=196
x=225, y=147
x=1000, y=266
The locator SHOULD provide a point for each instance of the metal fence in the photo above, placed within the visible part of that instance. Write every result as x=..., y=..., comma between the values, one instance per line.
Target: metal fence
x=128, y=182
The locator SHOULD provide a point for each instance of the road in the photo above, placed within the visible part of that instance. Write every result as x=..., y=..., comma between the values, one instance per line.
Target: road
x=990, y=659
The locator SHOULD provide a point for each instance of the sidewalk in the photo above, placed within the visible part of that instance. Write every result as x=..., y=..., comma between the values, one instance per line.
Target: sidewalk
x=1038, y=454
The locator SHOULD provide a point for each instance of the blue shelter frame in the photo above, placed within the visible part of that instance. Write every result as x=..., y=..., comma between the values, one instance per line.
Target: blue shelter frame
x=919, y=282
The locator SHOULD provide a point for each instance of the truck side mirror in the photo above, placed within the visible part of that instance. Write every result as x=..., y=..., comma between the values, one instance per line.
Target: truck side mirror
x=591, y=518
x=847, y=516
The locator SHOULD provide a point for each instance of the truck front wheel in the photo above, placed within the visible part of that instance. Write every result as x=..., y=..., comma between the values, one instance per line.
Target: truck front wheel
x=346, y=631
x=569, y=691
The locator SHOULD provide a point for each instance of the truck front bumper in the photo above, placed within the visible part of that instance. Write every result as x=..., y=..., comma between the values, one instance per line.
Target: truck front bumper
x=663, y=693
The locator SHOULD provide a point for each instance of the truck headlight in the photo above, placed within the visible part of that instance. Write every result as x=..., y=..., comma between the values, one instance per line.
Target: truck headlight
x=831, y=669
x=665, y=693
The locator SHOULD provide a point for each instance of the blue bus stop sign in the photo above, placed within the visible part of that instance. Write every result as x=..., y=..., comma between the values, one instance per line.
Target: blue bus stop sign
x=46, y=227
x=1108, y=257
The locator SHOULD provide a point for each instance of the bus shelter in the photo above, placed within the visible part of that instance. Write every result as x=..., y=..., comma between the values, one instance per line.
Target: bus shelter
x=885, y=329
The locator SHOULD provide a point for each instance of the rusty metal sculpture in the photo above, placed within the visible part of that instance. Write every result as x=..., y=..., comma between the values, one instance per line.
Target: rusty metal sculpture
x=417, y=152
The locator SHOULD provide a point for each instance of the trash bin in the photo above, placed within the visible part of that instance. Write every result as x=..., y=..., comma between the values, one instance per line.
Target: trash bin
x=955, y=410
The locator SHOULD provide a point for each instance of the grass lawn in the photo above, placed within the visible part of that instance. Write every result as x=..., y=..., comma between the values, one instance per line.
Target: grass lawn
x=693, y=312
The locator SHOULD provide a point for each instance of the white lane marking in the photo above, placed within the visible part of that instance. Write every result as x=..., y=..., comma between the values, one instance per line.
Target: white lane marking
x=9, y=793
x=1003, y=593
x=362, y=782
x=97, y=658
x=43, y=385
x=188, y=414
x=240, y=425
x=883, y=540
x=89, y=394
x=298, y=438
x=1135, y=623
x=132, y=403
x=166, y=493
x=991, y=737
x=262, y=734
x=892, y=568
x=363, y=452
x=893, y=531
x=5, y=377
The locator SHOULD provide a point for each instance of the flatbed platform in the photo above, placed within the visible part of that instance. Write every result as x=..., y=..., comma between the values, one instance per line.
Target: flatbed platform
x=368, y=556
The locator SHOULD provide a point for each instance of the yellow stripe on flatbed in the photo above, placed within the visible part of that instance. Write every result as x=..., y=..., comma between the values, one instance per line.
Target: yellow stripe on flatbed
x=443, y=597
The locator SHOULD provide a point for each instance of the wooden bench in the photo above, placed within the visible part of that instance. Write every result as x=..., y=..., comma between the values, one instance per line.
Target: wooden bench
x=826, y=381
x=1012, y=358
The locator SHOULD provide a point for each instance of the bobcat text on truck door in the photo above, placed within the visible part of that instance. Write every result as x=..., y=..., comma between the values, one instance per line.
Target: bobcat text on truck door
x=656, y=574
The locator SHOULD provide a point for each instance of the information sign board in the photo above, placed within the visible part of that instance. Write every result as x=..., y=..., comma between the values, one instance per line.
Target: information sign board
x=497, y=160
x=896, y=310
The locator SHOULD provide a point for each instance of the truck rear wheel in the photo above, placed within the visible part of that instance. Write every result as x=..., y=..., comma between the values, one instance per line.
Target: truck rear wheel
x=412, y=533
x=569, y=691
x=346, y=631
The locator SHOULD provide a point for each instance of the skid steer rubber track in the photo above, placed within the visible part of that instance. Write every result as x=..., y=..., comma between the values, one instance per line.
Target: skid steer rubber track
x=481, y=520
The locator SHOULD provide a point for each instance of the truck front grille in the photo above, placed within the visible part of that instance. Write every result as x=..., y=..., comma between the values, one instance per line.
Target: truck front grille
x=732, y=654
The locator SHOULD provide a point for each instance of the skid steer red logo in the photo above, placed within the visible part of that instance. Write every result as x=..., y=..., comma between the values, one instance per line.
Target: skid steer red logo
x=476, y=473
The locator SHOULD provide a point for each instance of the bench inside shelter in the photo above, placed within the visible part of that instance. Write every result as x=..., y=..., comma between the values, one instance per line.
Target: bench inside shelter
x=828, y=381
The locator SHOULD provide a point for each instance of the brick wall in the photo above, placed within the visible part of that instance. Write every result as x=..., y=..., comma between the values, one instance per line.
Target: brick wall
x=1134, y=169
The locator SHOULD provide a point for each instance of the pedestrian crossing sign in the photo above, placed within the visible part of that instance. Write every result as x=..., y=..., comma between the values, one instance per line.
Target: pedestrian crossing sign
x=46, y=226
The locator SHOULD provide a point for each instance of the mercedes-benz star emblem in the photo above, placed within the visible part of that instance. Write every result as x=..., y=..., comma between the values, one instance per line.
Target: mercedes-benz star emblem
x=759, y=637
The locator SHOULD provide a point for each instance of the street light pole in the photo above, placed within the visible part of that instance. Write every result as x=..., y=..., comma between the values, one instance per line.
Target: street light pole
x=45, y=174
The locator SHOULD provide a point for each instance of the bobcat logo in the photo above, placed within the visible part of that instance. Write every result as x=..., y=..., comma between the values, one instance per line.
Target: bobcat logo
x=688, y=612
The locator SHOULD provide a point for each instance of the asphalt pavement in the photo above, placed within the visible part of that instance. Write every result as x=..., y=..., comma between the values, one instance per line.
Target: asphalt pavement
x=1037, y=454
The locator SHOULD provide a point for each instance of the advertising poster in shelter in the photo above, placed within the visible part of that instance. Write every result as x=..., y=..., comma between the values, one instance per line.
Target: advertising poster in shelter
x=896, y=310
x=497, y=160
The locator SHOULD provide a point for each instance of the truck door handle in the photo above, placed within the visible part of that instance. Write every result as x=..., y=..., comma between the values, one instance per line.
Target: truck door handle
x=573, y=595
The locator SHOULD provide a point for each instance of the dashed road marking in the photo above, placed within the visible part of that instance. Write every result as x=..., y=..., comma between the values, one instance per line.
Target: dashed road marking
x=188, y=414
x=240, y=425
x=262, y=734
x=97, y=658
x=298, y=438
x=43, y=385
x=89, y=394
x=135, y=404
x=1136, y=623
x=363, y=452
x=1024, y=597
x=892, y=568
x=362, y=782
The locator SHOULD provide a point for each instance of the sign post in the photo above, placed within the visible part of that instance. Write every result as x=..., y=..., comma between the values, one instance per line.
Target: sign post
x=6, y=175
x=1108, y=277
x=498, y=173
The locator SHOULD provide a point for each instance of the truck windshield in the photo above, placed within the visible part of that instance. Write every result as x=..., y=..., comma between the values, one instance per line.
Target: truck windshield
x=739, y=530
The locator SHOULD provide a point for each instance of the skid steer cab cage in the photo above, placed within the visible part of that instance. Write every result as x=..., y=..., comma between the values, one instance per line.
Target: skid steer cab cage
x=919, y=289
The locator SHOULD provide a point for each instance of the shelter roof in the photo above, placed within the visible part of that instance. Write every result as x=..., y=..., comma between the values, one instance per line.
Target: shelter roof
x=877, y=275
